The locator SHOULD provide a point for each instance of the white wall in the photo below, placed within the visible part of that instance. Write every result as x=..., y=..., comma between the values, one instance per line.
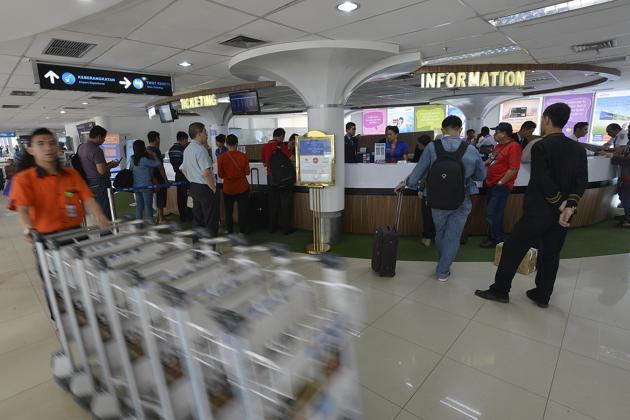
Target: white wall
x=492, y=119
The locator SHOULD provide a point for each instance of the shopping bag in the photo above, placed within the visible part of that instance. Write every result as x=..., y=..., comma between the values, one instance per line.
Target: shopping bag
x=527, y=265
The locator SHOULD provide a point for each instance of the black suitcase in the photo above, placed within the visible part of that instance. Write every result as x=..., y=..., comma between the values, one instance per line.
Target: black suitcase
x=258, y=202
x=385, y=246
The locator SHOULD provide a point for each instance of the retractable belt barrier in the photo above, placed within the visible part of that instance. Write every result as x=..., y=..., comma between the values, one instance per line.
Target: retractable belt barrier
x=145, y=187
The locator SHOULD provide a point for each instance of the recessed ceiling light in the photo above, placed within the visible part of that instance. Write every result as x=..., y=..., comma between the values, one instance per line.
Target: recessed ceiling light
x=185, y=64
x=347, y=6
x=84, y=103
x=554, y=9
x=62, y=112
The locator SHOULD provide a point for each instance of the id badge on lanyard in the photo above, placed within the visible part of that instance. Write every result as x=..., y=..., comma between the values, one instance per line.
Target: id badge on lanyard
x=71, y=209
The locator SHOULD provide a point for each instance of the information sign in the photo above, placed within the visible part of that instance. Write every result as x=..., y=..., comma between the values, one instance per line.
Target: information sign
x=315, y=157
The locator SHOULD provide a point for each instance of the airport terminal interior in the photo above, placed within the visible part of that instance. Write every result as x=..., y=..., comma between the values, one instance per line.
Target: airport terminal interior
x=315, y=268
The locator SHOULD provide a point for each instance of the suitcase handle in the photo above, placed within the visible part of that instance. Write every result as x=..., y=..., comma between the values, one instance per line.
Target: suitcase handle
x=257, y=175
x=398, y=208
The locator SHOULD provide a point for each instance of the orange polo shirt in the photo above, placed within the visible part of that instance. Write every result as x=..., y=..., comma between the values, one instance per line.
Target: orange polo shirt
x=233, y=167
x=49, y=197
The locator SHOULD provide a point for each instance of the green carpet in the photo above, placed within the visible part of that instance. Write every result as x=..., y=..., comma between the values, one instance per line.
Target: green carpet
x=600, y=239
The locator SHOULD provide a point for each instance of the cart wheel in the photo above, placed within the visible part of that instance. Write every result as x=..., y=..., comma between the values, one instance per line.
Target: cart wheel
x=64, y=383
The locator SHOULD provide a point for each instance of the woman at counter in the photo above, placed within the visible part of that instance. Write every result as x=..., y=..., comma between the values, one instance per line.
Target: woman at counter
x=394, y=150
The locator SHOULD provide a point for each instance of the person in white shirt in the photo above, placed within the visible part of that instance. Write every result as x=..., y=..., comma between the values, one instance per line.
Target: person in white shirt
x=485, y=138
x=579, y=130
x=618, y=136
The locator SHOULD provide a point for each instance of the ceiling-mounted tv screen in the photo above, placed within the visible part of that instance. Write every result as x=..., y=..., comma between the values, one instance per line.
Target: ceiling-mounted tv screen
x=244, y=103
x=151, y=112
x=166, y=113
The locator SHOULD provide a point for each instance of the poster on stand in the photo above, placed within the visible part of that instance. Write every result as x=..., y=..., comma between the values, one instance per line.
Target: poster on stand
x=374, y=121
x=517, y=111
x=315, y=159
x=581, y=109
x=402, y=117
x=610, y=107
x=451, y=110
x=430, y=117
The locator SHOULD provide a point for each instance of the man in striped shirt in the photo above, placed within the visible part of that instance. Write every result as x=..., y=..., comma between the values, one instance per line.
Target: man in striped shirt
x=176, y=157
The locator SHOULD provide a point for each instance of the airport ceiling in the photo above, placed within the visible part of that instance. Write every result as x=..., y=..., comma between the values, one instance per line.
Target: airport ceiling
x=156, y=35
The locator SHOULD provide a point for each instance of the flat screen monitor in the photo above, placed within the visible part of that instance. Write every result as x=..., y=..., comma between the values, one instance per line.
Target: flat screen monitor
x=244, y=103
x=166, y=113
x=151, y=112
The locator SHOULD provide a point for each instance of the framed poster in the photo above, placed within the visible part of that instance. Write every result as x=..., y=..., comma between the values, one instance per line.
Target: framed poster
x=517, y=111
x=315, y=159
x=402, y=117
x=581, y=108
x=374, y=121
x=430, y=117
x=610, y=107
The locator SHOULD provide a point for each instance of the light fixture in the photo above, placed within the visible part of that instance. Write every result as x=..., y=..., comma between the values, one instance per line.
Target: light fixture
x=554, y=9
x=224, y=100
x=347, y=6
x=62, y=112
x=84, y=103
x=185, y=64
x=472, y=55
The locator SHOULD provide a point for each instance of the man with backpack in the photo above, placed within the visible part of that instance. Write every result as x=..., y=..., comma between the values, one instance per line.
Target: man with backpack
x=280, y=179
x=451, y=167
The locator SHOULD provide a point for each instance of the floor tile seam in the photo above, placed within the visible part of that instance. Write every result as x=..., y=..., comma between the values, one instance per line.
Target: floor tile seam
x=4, y=353
x=564, y=334
x=400, y=299
x=521, y=387
x=26, y=314
x=441, y=359
x=574, y=409
x=598, y=321
x=437, y=308
x=382, y=396
x=423, y=347
x=406, y=411
x=609, y=364
x=538, y=340
x=26, y=390
x=16, y=318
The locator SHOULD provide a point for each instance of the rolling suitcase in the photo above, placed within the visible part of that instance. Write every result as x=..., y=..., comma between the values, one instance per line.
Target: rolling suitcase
x=258, y=202
x=385, y=247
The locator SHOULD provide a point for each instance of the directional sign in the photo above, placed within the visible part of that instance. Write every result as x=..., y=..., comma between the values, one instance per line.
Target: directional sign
x=55, y=77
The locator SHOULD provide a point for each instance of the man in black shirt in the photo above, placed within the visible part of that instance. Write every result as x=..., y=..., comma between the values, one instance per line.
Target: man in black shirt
x=351, y=143
x=559, y=176
x=176, y=157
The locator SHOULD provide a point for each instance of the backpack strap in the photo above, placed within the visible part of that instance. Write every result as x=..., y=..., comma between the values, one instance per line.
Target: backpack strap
x=439, y=148
x=461, y=150
x=457, y=154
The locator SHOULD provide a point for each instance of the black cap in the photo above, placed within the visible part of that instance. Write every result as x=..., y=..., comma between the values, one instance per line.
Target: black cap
x=505, y=127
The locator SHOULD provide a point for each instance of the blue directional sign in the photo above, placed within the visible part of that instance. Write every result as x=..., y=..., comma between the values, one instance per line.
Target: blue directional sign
x=7, y=134
x=56, y=77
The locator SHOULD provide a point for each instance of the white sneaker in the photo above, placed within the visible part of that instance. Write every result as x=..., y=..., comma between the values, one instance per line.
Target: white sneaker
x=426, y=242
x=444, y=279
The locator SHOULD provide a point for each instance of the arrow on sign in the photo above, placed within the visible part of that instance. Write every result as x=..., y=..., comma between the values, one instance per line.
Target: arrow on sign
x=125, y=82
x=52, y=76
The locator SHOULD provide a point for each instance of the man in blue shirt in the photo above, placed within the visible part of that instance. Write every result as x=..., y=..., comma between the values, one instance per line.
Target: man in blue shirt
x=449, y=224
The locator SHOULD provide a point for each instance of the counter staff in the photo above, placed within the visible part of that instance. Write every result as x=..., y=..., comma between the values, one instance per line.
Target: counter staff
x=558, y=179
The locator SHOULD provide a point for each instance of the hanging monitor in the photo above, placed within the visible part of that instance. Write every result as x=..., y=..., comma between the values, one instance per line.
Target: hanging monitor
x=245, y=103
x=166, y=113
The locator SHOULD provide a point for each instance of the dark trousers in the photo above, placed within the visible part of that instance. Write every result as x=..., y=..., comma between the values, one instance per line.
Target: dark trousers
x=280, y=208
x=205, y=208
x=497, y=200
x=527, y=230
x=185, y=213
x=428, y=227
x=99, y=189
x=243, y=207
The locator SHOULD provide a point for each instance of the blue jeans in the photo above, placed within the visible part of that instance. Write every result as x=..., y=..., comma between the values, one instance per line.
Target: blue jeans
x=449, y=225
x=144, y=200
x=99, y=189
x=497, y=200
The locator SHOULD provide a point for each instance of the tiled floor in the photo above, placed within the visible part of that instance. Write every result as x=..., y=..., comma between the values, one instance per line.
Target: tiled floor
x=427, y=350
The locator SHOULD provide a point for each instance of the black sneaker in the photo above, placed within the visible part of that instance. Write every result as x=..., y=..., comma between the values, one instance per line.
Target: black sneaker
x=488, y=243
x=531, y=294
x=490, y=295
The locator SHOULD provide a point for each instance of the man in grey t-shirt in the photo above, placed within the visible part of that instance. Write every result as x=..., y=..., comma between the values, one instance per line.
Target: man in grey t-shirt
x=197, y=168
x=97, y=170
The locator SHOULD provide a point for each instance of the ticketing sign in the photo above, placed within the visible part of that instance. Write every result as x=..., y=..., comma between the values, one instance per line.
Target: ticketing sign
x=55, y=77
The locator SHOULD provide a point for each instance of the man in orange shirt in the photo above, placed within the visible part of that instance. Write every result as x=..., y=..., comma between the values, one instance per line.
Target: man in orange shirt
x=233, y=168
x=280, y=190
x=47, y=197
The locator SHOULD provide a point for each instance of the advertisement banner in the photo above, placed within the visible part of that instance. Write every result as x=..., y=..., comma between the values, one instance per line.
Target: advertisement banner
x=581, y=109
x=430, y=117
x=610, y=107
x=517, y=111
x=403, y=118
x=374, y=121
x=315, y=160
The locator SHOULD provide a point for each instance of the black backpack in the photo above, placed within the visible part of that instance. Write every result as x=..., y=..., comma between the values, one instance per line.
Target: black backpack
x=124, y=179
x=446, y=182
x=75, y=162
x=281, y=169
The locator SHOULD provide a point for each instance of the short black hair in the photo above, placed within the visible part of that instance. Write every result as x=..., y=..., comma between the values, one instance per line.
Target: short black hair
x=43, y=131
x=392, y=128
x=97, y=132
x=181, y=135
x=452, y=121
x=485, y=131
x=470, y=130
x=220, y=138
x=195, y=129
x=231, y=140
x=581, y=124
x=279, y=133
x=349, y=125
x=613, y=126
x=293, y=137
x=559, y=113
x=153, y=136
x=424, y=139
x=529, y=125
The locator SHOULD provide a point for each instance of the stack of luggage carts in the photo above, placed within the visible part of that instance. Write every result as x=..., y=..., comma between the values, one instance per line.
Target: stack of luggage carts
x=155, y=323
